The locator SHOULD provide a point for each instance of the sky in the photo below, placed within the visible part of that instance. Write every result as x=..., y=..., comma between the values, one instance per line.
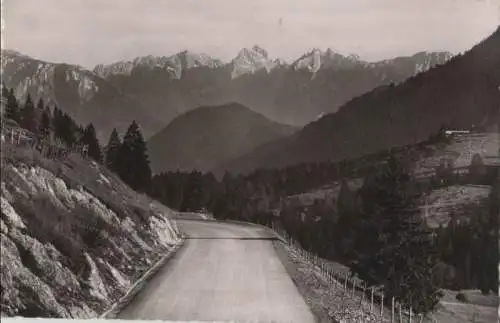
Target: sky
x=89, y=32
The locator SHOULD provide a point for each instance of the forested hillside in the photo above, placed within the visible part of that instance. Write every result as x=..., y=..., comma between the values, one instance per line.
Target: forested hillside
x=463, y=93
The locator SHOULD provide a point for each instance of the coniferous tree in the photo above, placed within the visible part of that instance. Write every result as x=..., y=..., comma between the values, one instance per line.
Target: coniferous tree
x=477, y=170
x=345, y=226
x=133, y=162
x=488, y=244
x=12, y=110
x=29, y=118
x=45, y=123
x=395, y=247
x=112, y=150
x=89, y=138
x=40, y=105
x=65, y=127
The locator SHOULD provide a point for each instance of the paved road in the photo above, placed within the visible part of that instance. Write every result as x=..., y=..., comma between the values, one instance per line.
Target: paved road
x=224, y=272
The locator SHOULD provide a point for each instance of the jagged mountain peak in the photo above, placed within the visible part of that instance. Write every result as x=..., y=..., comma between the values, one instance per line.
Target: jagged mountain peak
x=193, y=59
x=174, y=64
x=316, y=59
x=254, y=51
x=260, y=50
x=250, y=60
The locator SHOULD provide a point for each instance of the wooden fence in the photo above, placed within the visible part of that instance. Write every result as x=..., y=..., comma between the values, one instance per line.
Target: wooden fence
x=50, y=148
x=371, y=298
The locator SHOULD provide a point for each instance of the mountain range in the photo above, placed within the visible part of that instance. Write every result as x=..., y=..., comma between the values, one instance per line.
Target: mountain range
x=316, y=83
x=155, y=90
x=463, y=93
x=79, y=92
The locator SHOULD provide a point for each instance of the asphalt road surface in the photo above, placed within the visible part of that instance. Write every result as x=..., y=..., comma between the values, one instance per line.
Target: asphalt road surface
x=224, y=272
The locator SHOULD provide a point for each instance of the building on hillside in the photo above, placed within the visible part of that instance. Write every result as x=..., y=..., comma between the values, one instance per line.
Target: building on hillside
x=452, y=132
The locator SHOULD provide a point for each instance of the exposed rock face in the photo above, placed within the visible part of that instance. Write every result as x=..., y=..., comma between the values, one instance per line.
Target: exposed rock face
x=39, y=78
x=71, y=248
x=249, y=61
x=175, y=64
x=79, y=92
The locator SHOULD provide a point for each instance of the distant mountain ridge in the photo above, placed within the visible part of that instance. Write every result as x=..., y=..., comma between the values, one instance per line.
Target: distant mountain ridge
x=316, y=83
x=155, y=90
x=77, y=91
x=174, y=64
x=207, y=136
x=462, y=93
x=251, y=60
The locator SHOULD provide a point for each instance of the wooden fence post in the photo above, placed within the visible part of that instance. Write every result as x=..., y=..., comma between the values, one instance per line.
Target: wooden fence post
x=400, y=314
x=353, y=287
x=411, y=314
x=362, y=295
x=345, y=284
x=382, y=305
x=392, y=310
x=371, y=304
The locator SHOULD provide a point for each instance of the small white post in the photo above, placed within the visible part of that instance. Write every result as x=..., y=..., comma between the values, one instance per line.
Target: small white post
x=362, y=295
x=392, y=310
x=382, y=305
x=371, y=304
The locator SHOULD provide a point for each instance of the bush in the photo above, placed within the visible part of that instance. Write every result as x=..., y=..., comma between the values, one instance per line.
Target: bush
x=462, y=298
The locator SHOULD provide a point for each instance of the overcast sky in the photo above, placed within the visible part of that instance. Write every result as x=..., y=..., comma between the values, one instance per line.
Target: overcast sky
x=88, y=32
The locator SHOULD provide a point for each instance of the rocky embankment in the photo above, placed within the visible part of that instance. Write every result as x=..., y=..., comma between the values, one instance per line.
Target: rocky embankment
x=74, y=238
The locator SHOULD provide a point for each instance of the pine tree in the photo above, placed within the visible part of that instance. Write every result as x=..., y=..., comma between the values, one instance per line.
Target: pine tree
x=112, y=150
x=40, y=105
x=45, y=123
x=89, y=138
x=346, y=220
x=396, y=248
x=133, y=162
x=65, y=127
x=29, y=118
x=477, y=169
x=12, y=110
x=488, y=244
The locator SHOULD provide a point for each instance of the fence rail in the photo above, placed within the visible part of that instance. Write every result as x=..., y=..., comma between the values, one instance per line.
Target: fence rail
x=50, y=148
x=371, y=298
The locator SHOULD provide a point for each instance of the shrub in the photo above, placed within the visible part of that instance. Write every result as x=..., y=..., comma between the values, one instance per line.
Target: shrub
x=462, y=297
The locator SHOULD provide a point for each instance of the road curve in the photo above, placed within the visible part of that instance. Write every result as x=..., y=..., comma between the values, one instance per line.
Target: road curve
x=224, y=272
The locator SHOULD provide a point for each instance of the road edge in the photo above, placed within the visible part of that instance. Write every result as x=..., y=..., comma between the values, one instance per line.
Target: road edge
x=320, y=314
x=139, y=284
